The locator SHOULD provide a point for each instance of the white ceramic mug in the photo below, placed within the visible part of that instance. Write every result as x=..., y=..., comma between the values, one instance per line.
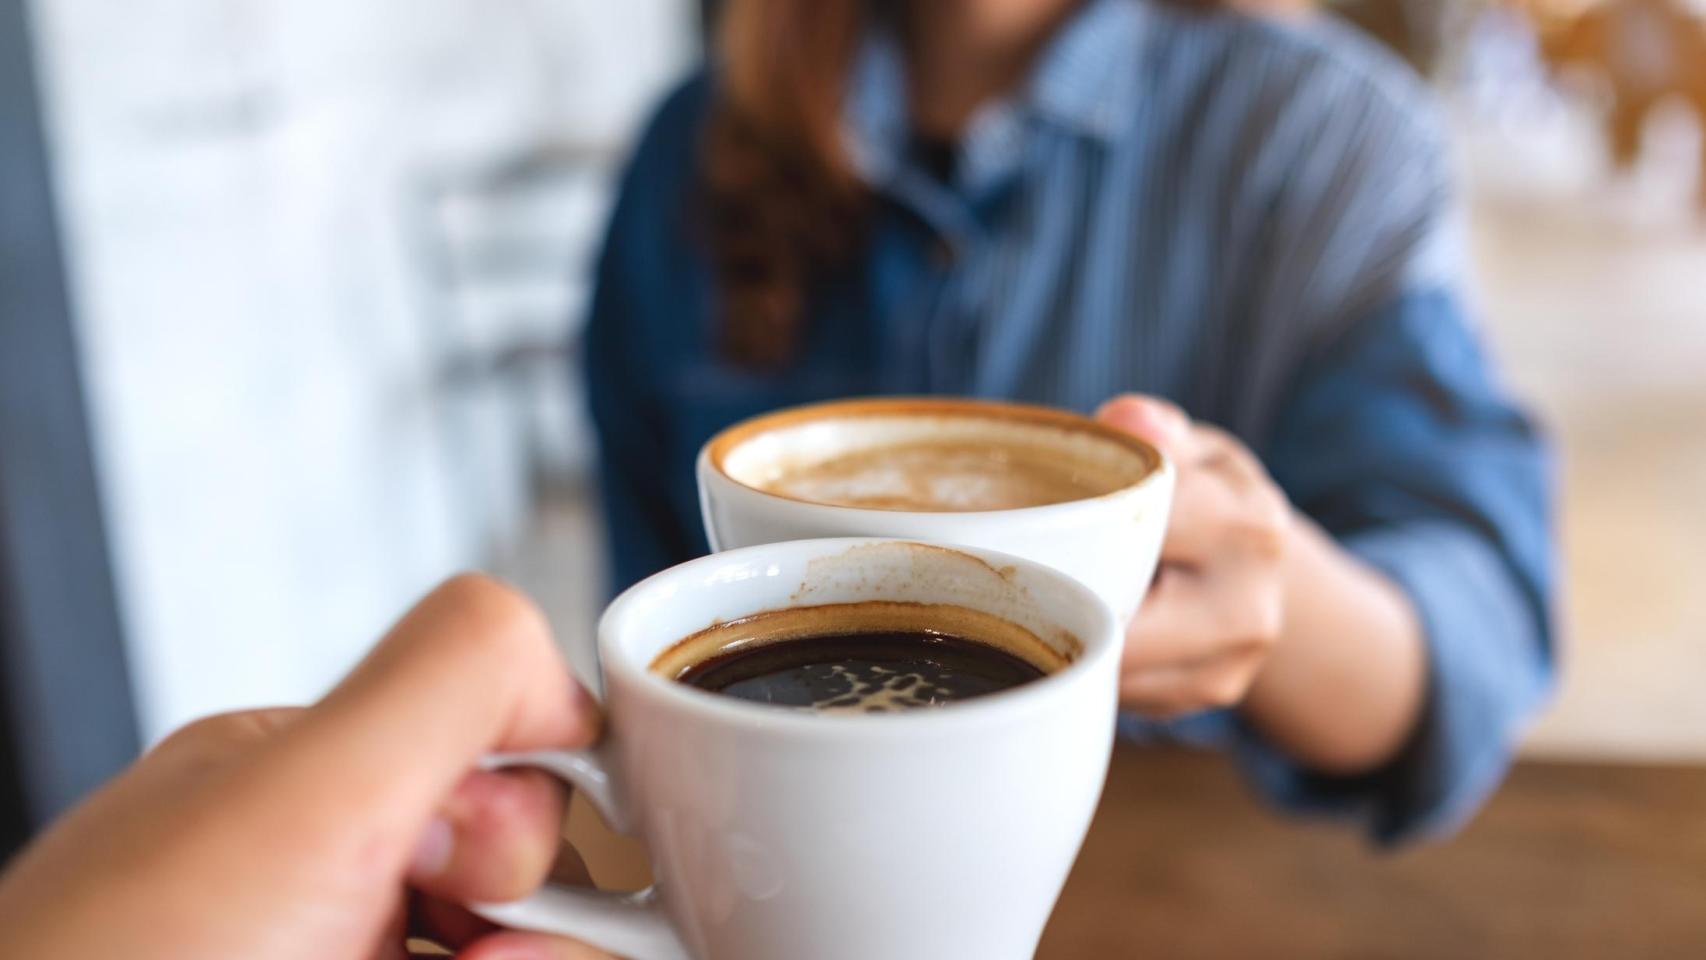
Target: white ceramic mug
x=776, y=834
x=1109, y=542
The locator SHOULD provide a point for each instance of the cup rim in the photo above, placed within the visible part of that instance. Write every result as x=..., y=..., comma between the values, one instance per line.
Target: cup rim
x=1099, y=644
x=716, y=450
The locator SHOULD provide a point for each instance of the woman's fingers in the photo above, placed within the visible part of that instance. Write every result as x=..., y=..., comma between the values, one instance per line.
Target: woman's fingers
x=1194, y=527
x=1222, y=454
x=1155, y=691
x=1217, y=609
x=1198, y=641
x=1167, y=630
x=1191, y=615
x=1215, y=474
x=1173, y=690
x=493, y=839
x=1153, y=419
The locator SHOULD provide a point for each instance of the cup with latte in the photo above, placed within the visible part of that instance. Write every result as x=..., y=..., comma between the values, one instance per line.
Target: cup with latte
x=1039, y=483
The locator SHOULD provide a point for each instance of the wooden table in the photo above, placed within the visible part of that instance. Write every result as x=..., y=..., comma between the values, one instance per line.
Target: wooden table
x=1590, y=861
x=1597, y=862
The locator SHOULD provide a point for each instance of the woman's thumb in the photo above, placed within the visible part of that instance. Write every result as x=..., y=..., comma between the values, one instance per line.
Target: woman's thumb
x=1149, y=418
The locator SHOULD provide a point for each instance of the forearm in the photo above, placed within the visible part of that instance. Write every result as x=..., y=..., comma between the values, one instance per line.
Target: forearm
x=1343, y=688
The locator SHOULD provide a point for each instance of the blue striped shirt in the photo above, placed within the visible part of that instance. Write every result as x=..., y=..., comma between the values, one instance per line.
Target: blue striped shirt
x=1252, y=219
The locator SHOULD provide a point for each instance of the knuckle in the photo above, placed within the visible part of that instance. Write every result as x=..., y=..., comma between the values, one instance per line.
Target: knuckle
x=1274, y=509
x=1265, y=619
x=510, y=612
x=1227, y=456
x=1261, y=532
x=219, y=735
x=1227, y=688
x=1273, y=620
x=1253, y=624
x=219, y=728
x=481, y=589
x=1214, y=437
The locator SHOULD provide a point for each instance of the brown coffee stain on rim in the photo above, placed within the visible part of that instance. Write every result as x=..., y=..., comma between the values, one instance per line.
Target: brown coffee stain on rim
x=721, y=445
x=1005, y=573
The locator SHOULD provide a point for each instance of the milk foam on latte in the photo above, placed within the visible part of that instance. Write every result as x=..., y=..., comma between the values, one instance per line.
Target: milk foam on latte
x=934, y=462
x=943, y=477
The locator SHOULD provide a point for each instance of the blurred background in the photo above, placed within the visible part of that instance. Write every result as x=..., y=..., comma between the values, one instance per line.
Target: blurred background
x=319, y=269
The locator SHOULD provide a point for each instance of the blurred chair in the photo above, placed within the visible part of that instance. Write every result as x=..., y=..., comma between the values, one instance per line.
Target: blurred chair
x=1644, y=53
x=1418, y=30
x=504, y=239
x=505, y=249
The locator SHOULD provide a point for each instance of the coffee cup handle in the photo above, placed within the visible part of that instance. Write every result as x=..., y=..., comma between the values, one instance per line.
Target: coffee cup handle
x=630, y=925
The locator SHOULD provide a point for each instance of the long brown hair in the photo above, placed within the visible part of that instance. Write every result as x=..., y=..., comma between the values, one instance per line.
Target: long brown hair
x=782, y=202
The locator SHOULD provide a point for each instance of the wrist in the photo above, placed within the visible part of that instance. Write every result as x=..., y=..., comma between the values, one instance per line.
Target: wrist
x=1307, y=568
x=1299, y=570
x=1344, y=683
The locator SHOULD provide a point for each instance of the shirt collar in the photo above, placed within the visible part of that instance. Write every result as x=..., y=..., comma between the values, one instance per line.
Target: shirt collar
x=1085, y=80
x=874, y=120
x=1088, y=76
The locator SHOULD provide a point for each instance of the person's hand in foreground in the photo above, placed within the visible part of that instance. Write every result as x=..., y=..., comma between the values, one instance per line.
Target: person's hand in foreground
x=1254, y=606
x=332, y=832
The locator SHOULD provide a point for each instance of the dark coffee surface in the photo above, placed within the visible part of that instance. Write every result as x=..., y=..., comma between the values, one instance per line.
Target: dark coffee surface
x=868, y=672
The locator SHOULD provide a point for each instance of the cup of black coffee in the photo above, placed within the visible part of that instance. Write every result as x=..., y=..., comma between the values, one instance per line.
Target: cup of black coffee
x=874, y=657
x=843, y=749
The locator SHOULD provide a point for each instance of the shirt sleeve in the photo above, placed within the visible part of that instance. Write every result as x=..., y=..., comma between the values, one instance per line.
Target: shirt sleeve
x=1396, y=438
x=1400, y=444
x=621, y=370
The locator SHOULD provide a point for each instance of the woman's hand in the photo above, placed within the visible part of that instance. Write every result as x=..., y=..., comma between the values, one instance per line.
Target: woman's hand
x=1217, y=607
x=1255, y=606
x=330, y=833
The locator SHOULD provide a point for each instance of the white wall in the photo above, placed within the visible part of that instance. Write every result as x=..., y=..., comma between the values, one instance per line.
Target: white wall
x=242, y=184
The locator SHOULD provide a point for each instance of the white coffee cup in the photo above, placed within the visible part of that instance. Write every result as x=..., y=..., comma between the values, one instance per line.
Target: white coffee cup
x=776, y=834
x=1111, y=542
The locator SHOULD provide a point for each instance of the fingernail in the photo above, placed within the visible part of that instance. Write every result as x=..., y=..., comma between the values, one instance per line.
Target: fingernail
x=433, y=849
x=1110, y=409
x=1126, y=414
